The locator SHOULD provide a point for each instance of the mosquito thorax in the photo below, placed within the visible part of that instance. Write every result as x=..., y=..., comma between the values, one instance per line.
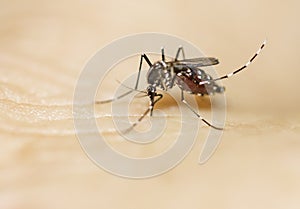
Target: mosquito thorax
x=159, y=74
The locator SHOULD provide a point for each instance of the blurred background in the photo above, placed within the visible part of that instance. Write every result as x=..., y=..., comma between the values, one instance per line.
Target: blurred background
x=44, y=47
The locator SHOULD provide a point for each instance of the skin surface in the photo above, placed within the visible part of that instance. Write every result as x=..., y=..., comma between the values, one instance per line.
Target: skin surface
x=44, y=47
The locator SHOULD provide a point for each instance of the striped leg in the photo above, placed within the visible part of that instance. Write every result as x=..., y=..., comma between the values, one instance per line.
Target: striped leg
x=197, y=114
x=238, y=70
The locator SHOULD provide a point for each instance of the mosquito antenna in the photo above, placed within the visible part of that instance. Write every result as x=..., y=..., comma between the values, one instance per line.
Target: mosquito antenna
x=130, y=88
x=122, y=95
x=140, y=96
x=114, y=99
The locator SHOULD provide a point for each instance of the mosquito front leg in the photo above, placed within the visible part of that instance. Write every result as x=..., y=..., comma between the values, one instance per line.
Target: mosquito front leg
x=143, y=57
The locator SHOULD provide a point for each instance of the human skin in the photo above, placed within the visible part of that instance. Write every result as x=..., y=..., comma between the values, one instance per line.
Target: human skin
x=44, y=47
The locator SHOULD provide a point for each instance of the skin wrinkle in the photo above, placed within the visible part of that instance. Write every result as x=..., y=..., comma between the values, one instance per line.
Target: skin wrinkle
x=31, y=117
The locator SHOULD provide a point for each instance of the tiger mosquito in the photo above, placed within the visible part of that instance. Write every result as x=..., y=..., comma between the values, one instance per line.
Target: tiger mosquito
x=186, y=74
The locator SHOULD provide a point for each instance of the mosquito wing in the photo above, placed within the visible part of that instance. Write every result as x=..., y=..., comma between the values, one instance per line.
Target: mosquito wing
x=197, y=62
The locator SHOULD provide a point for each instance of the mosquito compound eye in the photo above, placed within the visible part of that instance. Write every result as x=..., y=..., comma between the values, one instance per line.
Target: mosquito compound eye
x=151, y=89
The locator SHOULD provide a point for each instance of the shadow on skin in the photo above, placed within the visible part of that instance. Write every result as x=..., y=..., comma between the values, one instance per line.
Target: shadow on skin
x=167, y=101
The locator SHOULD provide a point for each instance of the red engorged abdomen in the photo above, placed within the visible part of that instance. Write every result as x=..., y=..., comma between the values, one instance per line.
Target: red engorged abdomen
x=187, y=84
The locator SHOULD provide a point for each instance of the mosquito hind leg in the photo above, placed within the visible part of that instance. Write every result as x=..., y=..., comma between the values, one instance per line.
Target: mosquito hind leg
x=197, y=114
x=143, y=57
x=239, y=69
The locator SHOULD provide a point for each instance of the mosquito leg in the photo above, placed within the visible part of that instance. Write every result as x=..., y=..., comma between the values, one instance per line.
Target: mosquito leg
x=150, y=109
x=173, y=81
x=143, y=56
x=163, y=54
x=151, y=106
x=180, y=49
x=238, y=70
x=199, y=116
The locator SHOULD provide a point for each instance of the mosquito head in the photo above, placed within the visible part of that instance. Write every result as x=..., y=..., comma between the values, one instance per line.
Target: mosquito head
x=151, y=91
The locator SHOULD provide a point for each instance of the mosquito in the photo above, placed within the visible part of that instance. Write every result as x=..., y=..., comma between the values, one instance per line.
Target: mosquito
x=187, y=74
